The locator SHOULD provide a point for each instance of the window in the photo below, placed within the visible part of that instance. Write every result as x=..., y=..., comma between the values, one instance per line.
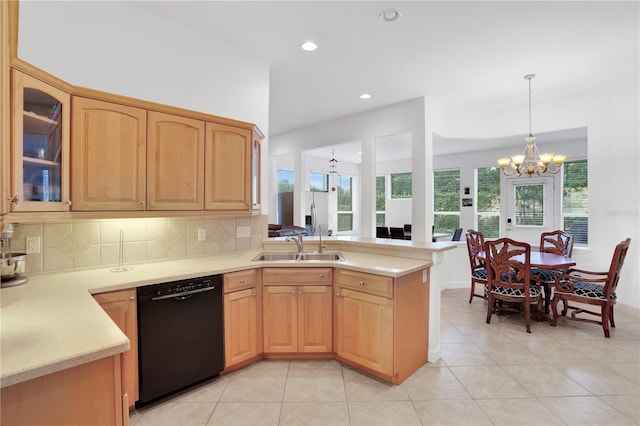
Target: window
x=285, y=180
x=319, y=182
x=381, y=198
x=575, y=200
x=446, y=200
x=529, y=205
x=488, y=201
x=401, y=185
x=345, y=203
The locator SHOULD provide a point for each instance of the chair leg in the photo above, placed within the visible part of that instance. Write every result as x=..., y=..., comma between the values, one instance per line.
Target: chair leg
x=527, y=315
x=473, y=288
x=613, y=324
x=490, y=308
x=554, y=309
x=605, y=319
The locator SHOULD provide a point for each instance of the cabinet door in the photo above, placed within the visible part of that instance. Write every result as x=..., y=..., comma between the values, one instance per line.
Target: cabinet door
x=122, y=309
x=255, y=172
x=364, y=329
x=280, y=319
x=240, y=326
x=227, y=167
x=40, y=119
x=314, y=318
x=175, y=162
x=108, y=156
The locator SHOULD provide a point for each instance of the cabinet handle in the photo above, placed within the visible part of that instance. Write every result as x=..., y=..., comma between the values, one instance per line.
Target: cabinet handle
x=338, y=295
x=14, y=199
x=321, y=276
x=152, y=203
x=132, y=299
x=363, y=284
x=142, y=203
x=300, y=292
x=68, y=202
x=253, y=294
x=242, y=281
x=293, y=292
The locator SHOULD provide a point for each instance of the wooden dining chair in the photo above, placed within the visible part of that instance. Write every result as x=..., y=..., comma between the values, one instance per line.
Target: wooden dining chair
x=475, y=244
x=556, y=242
x=397, y=233
x=509, y=279
x=592, y=288
x=382, y=232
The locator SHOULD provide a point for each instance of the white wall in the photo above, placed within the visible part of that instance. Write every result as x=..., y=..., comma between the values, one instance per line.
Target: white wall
x=397, y=211
x=120, y=48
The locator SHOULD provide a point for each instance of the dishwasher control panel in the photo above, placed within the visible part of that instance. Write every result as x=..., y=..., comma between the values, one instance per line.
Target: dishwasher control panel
x=182, y=287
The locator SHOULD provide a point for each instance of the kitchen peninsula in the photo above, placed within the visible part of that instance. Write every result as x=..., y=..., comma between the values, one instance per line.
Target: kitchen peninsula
x=53, y=324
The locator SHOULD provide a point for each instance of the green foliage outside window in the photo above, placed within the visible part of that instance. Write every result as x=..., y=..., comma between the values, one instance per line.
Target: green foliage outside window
x=319, y=182
x=381, y=198
x=285, y=180
x=401, y=185
x=575, y=200
x=446, y=200
x=488, y=201
x=345, y=203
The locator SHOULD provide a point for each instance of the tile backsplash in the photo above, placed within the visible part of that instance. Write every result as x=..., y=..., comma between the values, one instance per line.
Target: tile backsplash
x=75, y=244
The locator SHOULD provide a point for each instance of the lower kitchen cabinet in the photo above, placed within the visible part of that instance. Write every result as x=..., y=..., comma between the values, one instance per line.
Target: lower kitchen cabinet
x=122, y=309
x=242, y=318
x=382, y=323
x=88, y=394
x=297, y=318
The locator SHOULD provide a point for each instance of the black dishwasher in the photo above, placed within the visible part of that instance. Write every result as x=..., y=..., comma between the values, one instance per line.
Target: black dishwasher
x=180, y=335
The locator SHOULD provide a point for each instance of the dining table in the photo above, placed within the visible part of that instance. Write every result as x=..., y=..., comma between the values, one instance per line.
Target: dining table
x=543, y=260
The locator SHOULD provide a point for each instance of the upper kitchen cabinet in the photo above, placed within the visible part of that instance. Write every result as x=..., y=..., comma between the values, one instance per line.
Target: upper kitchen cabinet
x=109, y=155
x=40, y=145
x=175, y=162
x=228, y=159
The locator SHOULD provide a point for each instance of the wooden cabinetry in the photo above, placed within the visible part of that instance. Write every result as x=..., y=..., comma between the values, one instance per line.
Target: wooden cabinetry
x=108, y=156
x=297, y=318
x=242, y=317
x=255, y=169
x=88, y=394
x=122, y=309
x=228, y=154
x=40, y=145
x=175, y=162
x=382, y=323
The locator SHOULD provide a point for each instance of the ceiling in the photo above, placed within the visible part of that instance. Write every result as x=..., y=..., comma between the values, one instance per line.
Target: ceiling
x=471, y=50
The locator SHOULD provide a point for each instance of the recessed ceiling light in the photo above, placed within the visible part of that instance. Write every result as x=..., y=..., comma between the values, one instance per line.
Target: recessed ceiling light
x=309, y=46
x=389, y=15
x=365, y=96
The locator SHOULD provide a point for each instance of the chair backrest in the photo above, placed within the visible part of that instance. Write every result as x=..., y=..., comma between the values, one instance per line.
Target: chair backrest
x=557, y=242
x=508, y=264
x=616, y=265
x=397, y=233
x=382, y=232
x=407, y=227
x=475, y=244
x=457, y=234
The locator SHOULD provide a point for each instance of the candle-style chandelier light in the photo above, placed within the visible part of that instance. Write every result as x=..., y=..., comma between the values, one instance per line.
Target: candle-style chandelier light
x=530, y=161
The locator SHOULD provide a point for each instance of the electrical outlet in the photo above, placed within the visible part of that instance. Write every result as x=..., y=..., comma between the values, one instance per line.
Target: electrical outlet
x=243, y=232
x=33, y=245
x=202, y=234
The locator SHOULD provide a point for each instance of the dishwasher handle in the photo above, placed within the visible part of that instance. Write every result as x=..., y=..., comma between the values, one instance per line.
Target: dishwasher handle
x=183, y=295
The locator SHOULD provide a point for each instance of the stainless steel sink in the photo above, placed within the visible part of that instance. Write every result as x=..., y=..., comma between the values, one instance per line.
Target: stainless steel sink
x=328, y=255
x=272, y=256
x=276, y=255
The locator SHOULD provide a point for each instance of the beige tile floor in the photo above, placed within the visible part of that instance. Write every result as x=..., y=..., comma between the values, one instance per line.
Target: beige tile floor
x=489, y=374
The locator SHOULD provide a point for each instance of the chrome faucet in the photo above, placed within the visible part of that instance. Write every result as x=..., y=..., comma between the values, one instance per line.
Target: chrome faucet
x=320, y=246
x=298, y=240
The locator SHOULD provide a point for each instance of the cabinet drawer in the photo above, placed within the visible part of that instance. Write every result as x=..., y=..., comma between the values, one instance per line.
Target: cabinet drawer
x=368, y=283
x=239, y=280
x=295, y=276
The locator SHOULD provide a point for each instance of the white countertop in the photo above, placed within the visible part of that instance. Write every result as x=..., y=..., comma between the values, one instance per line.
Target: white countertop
x=53, y=323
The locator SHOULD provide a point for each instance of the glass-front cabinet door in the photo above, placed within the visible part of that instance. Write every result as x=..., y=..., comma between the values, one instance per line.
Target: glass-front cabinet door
x=40, y=148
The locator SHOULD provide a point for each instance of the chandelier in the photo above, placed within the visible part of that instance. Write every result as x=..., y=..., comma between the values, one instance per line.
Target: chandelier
x=530, y=161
